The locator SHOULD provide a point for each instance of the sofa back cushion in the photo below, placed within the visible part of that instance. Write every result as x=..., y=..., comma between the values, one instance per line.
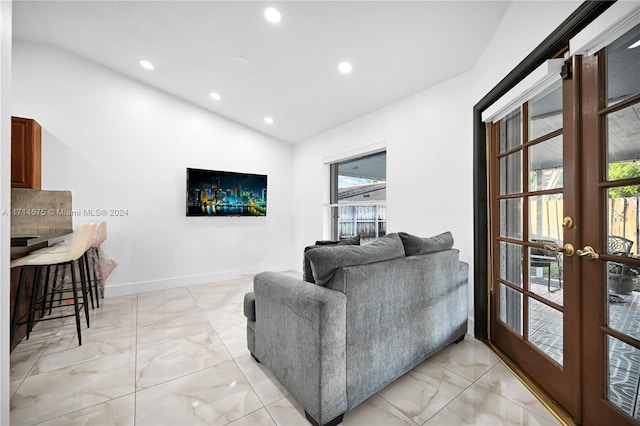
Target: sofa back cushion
x=414, y=245
x=307, y=274
x=326, y=260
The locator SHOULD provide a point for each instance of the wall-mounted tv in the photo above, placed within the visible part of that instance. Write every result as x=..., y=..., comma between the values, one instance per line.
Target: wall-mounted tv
x=218, y=193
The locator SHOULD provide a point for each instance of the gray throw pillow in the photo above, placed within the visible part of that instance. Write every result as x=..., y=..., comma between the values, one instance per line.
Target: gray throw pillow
x=325, y=260
x=307, y=275
x=353, y=241
x=416, y=245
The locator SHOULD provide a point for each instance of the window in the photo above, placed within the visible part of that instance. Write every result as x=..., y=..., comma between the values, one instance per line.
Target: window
x=358, y=197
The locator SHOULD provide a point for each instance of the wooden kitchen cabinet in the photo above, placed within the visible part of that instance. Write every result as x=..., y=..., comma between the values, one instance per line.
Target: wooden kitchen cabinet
x=26, y=153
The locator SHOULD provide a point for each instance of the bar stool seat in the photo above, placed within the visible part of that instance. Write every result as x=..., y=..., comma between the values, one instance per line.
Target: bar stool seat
x=59, y=255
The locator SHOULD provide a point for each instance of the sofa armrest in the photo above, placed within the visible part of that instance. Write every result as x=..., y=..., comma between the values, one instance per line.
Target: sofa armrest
x=301, y=336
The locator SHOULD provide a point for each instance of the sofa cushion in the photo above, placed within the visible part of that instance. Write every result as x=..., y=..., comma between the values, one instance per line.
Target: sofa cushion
x=416, y=245
x=325, y=260
x=307, y=275
x=353, y=241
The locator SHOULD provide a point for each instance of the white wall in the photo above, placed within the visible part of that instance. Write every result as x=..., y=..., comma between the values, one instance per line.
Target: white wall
x=5, y=204
x=525, y=25
x=119, y=144
x=429, y=143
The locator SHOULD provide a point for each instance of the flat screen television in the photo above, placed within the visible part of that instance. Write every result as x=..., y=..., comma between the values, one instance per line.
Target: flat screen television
x=218, y=193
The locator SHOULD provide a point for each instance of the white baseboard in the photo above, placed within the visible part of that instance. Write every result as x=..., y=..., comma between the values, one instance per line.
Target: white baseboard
x=114, y=290
x=471, y=326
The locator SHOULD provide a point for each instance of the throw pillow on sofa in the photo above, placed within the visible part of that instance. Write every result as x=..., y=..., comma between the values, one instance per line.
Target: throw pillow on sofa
x=325, y=260
x=307, y=275
x=353, y=241
x=414, y=245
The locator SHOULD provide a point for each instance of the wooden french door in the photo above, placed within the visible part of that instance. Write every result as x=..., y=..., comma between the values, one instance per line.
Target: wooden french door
x=565, y=198
x=610, y=128
x=535, y=303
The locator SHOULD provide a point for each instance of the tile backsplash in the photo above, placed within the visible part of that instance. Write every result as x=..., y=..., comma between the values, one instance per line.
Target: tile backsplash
x=36, y=212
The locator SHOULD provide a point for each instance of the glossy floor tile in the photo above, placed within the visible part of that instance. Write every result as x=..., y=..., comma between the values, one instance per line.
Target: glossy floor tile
x=179, y=357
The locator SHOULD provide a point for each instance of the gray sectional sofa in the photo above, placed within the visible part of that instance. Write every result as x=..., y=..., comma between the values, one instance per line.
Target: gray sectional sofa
x=374, y=312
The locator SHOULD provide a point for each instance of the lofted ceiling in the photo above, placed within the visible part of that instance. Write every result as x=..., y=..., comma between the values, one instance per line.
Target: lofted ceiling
x=287, y=71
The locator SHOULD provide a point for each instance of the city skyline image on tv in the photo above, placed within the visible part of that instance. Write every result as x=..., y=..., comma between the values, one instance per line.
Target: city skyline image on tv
x=221, y=193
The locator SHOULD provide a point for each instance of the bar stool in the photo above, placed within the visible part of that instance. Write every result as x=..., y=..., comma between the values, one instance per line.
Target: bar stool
x=58, y=255
x=82, y=264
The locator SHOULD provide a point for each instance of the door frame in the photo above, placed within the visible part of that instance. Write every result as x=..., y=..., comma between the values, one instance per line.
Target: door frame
x=557, y=41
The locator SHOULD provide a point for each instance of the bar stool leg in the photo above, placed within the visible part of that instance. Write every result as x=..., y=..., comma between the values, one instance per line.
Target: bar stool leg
x=91, y=259
x=64, y=276
x=34, y=300
x=46, y=290
x=53, y=286
x=16, y=305
x=83, y=284
x=82, y=267
x=96, y=281
x=96, y=268
x=76, y=307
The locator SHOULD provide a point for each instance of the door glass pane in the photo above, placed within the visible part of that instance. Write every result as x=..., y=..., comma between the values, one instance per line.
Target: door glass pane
x=624, y=376
x=511, y=308
x=545, y=329
x=511, y=131
x=511, y=263
x=545, y=111
x=623, y=67
x=545, y=165
x=624, y=299
x=623, y=146
x=511, y=218
x=511, y=173
x=623, y=220
x=545, y=218
x=546, y=273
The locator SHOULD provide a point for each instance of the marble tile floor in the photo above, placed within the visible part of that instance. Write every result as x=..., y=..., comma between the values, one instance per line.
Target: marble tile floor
x=179, y=357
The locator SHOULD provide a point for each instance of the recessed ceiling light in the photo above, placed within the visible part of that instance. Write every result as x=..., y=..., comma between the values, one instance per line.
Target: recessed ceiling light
x=146, y=64
x=268, y=120
x=345, y=67
x=215, y=96
x=634, y=45
x=272, y=15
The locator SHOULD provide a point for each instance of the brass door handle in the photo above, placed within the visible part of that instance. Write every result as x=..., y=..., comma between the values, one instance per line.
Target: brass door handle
x=567, y=249
x=589, y=253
